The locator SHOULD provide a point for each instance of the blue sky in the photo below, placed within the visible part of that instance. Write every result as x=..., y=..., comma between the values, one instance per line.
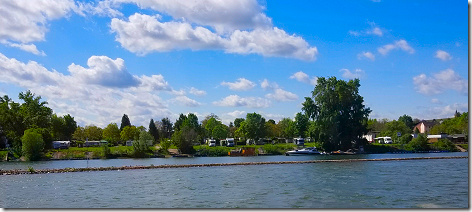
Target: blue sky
x=98, y=60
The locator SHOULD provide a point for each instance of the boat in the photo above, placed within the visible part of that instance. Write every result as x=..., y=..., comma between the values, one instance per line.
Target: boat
x=304, y=151
x=339, y=152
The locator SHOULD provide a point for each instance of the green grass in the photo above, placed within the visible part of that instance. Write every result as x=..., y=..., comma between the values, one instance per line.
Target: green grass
x=274, y=149
x=3, y=154
x=465, y=146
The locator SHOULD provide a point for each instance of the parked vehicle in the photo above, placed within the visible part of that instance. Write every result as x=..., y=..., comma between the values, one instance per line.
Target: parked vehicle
x=230, y=142
x=249, y=141
x=384, y=140
x=304, y=151
x=299, y=141
x=212, y=142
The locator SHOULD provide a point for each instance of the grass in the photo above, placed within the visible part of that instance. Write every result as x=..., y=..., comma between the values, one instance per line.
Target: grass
x=3, y=154
x=273, y=149
x=465, y=146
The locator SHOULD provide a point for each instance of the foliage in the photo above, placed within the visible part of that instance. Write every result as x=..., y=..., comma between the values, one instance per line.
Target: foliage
x=238, y=121
x=341, y=113
x=185, y=138
x=79, y=134
x=178, y=123
x=165, y=144
x=205, y=150
x=287, y=128
x=153, y=130
x=124, y=122
x=111, y=133
x=272, y=130
x=141, y=146
x=393, y=127
x=220, y=131
x=456, y=125
x=254, y=126
x=106, y=151
x=31, y=169
x=309, y=107
x=301, y=124
x=407, y=120
x=33, y=145
x=405, y=139
x=377, y=125
x=93, y=133
x=166, y=128
x=444, y=144
x=419, y=143
x=129, y=133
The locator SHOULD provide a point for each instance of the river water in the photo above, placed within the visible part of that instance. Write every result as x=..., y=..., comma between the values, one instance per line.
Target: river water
x=438, y=183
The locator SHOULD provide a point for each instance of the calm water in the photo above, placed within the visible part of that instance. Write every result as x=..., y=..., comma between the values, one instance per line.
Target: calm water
x=382, y=184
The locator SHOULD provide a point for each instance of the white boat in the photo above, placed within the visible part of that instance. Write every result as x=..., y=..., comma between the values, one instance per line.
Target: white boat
x=304, y=151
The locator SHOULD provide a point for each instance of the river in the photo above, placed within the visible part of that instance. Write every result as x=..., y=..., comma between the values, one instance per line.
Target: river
x=437, y=183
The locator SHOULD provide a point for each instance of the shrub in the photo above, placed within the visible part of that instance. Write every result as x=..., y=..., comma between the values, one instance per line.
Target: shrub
x=444, y=144
x=165, y=144
x=419, y=143
x=106, y=152
x=33, y=145
x=405, y=139
x=141, y=146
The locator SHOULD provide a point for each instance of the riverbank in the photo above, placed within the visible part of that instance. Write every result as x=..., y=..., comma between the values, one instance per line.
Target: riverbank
x=31, y=170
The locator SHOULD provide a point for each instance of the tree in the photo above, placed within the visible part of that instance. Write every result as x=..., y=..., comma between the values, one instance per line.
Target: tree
x=93, y=133
x=166, y=128
x=184, y=138
x=237, y=122
x=272, y=129
x=33, y=145
x=130, y=133
x=153, y=130
x=210, y=124
x=178, y=123
x=69, y=126
x=205, y=120
x=419, y=143
x=395, y=126
x=309, y=108
x=287, y=128
x=141, y=145
x=301, y=124
x=124, y=122
x=341, y=116
x=57, y=127
x=111, y=133
x=407, y=120
x=35, y=113
x=220, y=132
x=79, y=134
x=255, y=126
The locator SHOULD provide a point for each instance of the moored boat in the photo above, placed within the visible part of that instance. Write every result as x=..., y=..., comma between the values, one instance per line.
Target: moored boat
x=304, y=151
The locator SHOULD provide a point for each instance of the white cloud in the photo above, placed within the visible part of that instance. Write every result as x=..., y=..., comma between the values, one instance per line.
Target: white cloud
x=237, y=114
x=197, y=92
x=282, y=95
x=278, y=94
x=400, y=44
x=374, y=30
x=302, y=77
x=143, y=34
x=436, y=101
x=183, y=100
x=367, y=55
x=447, y=111
x=440, y=82
x=237, y=101
x=100, y=102
x=358, y=73
x=443, y=55
x=223, y=16
x=242, y=84
x=23, y=22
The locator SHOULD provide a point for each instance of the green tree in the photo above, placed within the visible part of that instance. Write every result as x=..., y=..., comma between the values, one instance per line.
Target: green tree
x=407, y=120
x=111, y=133
x=141, y=146
x=129, y=133
x=79, y=134
x=301, y=124
x=237, y=122
x=220, y=132
x=153, y=130
x=419, y=143
x=93, y=133
x=69, y=126
x=35, y=113
x=57, y=127
x=272, y=129
x=255, y=126
x=287, y=128
x=395, y=126
x=210, y=124
x=341, y=114
x=33, y=145
x=124, y=122
x=178, y=123
x=166, y=128
x=184, y=138
x=309, y=108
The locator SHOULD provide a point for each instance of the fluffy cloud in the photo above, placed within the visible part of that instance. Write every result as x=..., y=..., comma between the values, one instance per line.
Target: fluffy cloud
x=440, y=82
x=100, y=102
x=22, y=22
x=367, y=55
x=237, y=101
x=143, y=34
x=302, y=77
x=197, y=92
x=358, y=73
x=443, y=55
x=374, y=30
x=278, y=94
x=237, y=114
x=223, y=16
x=436, y=101
x=400, y=44
x=185, y=101
x=242, y=84
x=447, y=111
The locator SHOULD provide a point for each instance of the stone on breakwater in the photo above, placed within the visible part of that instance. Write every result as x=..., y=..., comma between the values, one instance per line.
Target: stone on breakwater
x=45, y=171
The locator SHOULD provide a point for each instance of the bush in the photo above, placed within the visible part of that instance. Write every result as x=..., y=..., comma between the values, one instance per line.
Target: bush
x=106, y=152
x=419, y=143
x=405, y=139
x=33, y=145
x=205, y=150
x=165, y=144
x=444, y=144
x=141, y=146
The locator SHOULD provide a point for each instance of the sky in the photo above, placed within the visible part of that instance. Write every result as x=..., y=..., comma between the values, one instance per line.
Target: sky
x=98, y=60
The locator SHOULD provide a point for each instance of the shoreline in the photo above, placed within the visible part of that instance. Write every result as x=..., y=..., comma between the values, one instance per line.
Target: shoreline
x=112, y=168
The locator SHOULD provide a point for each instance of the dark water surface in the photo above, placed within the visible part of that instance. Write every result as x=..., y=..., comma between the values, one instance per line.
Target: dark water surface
x=441, y=183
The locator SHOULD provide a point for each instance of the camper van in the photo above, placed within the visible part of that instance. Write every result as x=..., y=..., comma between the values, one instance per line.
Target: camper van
x=212, y=142
x=384, y=140
x=230, y=142
x=299, y=141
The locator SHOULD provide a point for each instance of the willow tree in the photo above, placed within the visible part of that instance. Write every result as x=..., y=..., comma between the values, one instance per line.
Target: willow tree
x=341, y=117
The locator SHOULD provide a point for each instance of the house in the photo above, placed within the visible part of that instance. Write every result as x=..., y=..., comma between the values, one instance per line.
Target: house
x=371, y=135
x=434, y=138
x=425, y=126
x=61, y=144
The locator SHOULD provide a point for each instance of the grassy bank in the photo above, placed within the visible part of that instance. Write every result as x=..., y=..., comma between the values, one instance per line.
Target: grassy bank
x=93, y=153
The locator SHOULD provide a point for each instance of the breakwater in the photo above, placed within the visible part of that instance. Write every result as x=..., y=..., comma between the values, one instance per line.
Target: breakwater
x=113, y=168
